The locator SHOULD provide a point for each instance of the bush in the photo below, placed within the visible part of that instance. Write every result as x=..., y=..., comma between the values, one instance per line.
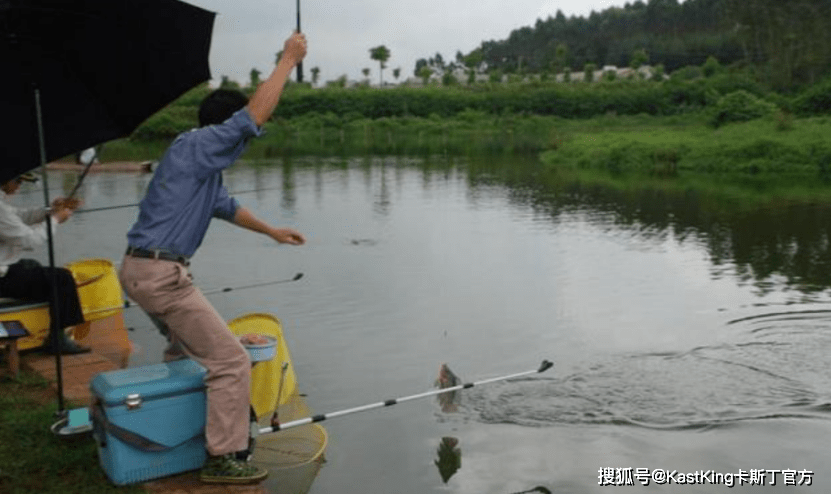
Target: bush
x=740, y=106
x=658, y=73
x=711, y=66
x=687, y=73
x=816, y=100
x=167, y=123
x=588, y=72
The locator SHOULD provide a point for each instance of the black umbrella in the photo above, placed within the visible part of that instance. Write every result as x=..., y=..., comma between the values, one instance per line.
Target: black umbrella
x=78, y=73
x=101, y=68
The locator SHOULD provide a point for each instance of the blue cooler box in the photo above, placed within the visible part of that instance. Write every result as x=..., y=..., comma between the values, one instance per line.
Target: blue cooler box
x=149, y=422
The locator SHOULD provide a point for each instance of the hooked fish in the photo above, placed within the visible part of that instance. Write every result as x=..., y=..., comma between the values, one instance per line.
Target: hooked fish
x=449, y=401
x=450, y=457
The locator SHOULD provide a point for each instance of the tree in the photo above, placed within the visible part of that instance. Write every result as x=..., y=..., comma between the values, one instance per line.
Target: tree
x=789, y=41
x=365, y=71
x=473, y=59
x=560, y=57
x=227, y=83
x=424, y=73
x=380, y=53
x=438, y=61
x=315, y=75
x=419, y=64
x=396, y=73
x=255, y=78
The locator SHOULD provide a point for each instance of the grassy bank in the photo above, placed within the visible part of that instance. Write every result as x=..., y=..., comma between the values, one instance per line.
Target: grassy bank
x=776, y=147
x=523, y=117
x=33, y=459
x=764, y=154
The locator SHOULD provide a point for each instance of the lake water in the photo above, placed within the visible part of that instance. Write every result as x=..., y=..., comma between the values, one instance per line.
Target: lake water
x=687, y=335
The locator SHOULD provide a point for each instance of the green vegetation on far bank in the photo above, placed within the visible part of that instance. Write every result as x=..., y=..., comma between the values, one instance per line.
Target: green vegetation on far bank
x=777, y=146
x=689, y=90
x=719, y=123
x=33, y=459
x=776, y=150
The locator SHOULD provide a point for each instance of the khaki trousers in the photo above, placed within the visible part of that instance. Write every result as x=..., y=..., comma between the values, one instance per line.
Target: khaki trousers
x=164, y=289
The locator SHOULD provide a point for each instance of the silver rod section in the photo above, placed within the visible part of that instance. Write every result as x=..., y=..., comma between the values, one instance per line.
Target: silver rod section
x=322, y=417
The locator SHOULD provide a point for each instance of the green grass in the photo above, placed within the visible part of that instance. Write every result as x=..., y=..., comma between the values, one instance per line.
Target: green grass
x=32, y=458
x=762, y=155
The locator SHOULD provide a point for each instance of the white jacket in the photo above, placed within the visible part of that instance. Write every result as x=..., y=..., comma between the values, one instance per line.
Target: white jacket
x=21, y=229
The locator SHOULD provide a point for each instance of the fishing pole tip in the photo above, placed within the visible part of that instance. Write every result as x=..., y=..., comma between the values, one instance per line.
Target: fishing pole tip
x=546, y=364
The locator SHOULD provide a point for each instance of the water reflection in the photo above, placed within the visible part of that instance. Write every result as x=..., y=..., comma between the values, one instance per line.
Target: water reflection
x=767, y=245
x=449, y=457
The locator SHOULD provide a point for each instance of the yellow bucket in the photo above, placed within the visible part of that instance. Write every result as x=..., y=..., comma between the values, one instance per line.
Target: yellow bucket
x=266, y=375
x=98, y=288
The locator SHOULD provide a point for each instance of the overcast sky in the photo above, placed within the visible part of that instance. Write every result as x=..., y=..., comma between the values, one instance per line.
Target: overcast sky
x=249, y=33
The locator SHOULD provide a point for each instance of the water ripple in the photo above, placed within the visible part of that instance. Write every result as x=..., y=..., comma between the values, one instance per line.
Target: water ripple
x=779, y=373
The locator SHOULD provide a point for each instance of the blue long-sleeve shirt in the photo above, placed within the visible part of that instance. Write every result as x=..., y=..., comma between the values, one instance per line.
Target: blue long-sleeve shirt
x=186, y=191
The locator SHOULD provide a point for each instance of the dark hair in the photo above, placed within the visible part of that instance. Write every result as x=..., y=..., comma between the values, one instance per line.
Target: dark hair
x=218, y=106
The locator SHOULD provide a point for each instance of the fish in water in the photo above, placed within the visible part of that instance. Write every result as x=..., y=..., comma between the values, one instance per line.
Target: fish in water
x=363, y=242
x=449, y=401
x=450, y=457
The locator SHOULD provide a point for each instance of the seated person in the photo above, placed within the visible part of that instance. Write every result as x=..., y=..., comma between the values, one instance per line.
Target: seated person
x=21, y=229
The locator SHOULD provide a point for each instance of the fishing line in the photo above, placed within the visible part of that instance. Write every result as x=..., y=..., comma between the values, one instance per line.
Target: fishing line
x=546, y=364
x=130, y=304
x=133, y=205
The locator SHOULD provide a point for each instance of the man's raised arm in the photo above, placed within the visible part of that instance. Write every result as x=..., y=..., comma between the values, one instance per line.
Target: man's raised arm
x=267, y=95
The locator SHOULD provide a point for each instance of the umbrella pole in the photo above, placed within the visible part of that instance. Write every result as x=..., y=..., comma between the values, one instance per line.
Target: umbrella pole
x=53, y=296
x=300, y=64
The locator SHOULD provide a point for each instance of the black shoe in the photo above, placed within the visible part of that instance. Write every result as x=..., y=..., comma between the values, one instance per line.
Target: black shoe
x=67, y=347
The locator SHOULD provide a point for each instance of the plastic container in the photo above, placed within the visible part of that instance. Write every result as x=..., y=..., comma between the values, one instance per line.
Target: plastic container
x=262, y=352
x=149, y=422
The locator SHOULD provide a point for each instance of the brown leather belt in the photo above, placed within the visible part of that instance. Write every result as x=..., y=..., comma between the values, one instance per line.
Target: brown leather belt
x=157, y=254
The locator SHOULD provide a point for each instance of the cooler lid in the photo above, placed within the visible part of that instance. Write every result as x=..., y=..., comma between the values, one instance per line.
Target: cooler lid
x=153, y=381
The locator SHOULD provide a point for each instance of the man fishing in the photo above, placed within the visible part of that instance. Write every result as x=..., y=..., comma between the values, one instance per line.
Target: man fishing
x=186, y=192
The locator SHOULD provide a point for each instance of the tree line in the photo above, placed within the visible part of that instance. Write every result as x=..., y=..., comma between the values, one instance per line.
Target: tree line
x=788, y=42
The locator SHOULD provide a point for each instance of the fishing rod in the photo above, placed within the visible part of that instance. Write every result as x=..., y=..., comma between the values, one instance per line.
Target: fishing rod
x=133, y=205
x=260, y=284
x=87, y=167
x=129, y=304
x=546, y=364
x=92, y=158
x=104, y=208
